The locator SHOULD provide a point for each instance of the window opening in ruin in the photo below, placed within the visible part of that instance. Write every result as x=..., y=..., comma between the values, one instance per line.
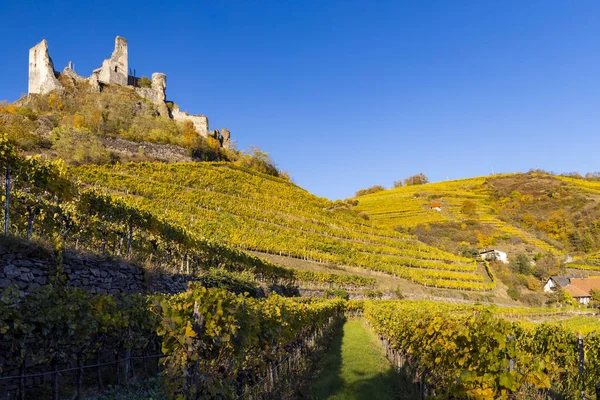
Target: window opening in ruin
x=116, y=69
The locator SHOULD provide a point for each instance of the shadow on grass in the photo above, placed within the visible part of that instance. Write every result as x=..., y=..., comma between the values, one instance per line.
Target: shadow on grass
x=329, y=382
x=329, y=372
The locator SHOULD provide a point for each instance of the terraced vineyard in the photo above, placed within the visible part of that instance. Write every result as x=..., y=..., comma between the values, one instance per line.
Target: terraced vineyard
x=248, y=210
x=410, y=206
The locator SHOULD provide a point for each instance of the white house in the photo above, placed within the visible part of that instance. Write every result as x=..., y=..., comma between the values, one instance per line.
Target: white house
x=494, y=255
x=557, y=282
x=579, y=287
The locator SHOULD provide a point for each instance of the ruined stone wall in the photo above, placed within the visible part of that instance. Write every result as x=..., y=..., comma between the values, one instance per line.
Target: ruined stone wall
x=70, y=72
x=114, y=70
x=226, y=138
x=150, y=94
x=159, y=85
x=157, y=93
x=41, y=70
x=200, y=121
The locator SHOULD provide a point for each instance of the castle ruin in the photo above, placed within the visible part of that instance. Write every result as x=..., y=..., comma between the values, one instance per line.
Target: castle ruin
x=43, y=78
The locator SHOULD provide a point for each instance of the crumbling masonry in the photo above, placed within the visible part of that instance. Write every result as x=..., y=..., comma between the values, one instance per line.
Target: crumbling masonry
x=114, y=71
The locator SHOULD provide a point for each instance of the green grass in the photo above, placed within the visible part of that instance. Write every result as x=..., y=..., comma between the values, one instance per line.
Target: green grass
x=355, y=367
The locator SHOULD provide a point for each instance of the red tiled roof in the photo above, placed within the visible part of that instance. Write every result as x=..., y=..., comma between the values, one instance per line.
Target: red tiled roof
x=581, y=287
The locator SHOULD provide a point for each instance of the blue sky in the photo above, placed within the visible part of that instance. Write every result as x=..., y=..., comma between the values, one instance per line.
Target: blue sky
x=348, y=94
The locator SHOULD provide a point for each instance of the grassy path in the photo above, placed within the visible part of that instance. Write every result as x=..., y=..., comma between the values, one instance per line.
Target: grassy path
x=355, y=367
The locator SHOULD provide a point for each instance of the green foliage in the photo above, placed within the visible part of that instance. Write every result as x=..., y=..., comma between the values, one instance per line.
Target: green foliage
x=19, y=130
x=560, y=297
x=78, y=148
x=211, y=337
x=56, y=323
x=145, y=82
x=373, y=294
x=470, y=252
x=337, y=293
x=236, y=282
x=150, y=128
x=201, y=149
x=464, y=351
x=258, y=160
x=513, y=293
x=520, y=264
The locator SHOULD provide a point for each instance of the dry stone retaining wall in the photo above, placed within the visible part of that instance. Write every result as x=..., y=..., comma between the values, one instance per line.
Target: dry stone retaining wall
x=94, y=275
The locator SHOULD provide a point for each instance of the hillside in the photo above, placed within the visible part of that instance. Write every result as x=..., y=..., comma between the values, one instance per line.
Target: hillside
x=117, y=143
x=130, y=236
x=252, y=211
x=532, y=212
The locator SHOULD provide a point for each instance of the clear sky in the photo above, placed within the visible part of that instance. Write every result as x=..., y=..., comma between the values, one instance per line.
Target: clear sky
x=348, y=94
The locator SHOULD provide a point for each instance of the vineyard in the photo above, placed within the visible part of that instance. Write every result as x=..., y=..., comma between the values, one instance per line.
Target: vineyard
x=474, y=352
x=212, y=342
x=242, y=243
x=250, y=211
x=546, y=213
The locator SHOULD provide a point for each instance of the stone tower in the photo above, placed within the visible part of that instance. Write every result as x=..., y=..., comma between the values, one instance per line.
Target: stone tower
x=114, y=70
x=42, y=78
x=159, y=84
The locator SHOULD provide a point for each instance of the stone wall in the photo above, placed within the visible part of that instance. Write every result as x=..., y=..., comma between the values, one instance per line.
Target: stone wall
x=42, y=78
x=70, y=72
x=200, y=121
x=226, y=138
x=147, y=150
x=114, y=69
x=30, y=269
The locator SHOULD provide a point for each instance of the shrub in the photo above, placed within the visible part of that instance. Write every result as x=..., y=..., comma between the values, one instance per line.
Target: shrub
x=78, y=147
x=20, y=131
x=372, y=189
x=153, y=129
x=469, y=208
x=470, y=252
x=520, y=264
x=373, y=294
x=145, y=82
x=398, y=293
x=341, y=293
x=419, y=179
x=258, y=160
x=513, y=293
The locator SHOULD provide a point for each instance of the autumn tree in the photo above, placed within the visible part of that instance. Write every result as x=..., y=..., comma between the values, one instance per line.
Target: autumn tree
x=521, y=264
x=419, y=179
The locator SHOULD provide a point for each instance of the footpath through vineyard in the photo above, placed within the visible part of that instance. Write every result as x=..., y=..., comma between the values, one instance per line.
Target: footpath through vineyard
x=355, y=367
